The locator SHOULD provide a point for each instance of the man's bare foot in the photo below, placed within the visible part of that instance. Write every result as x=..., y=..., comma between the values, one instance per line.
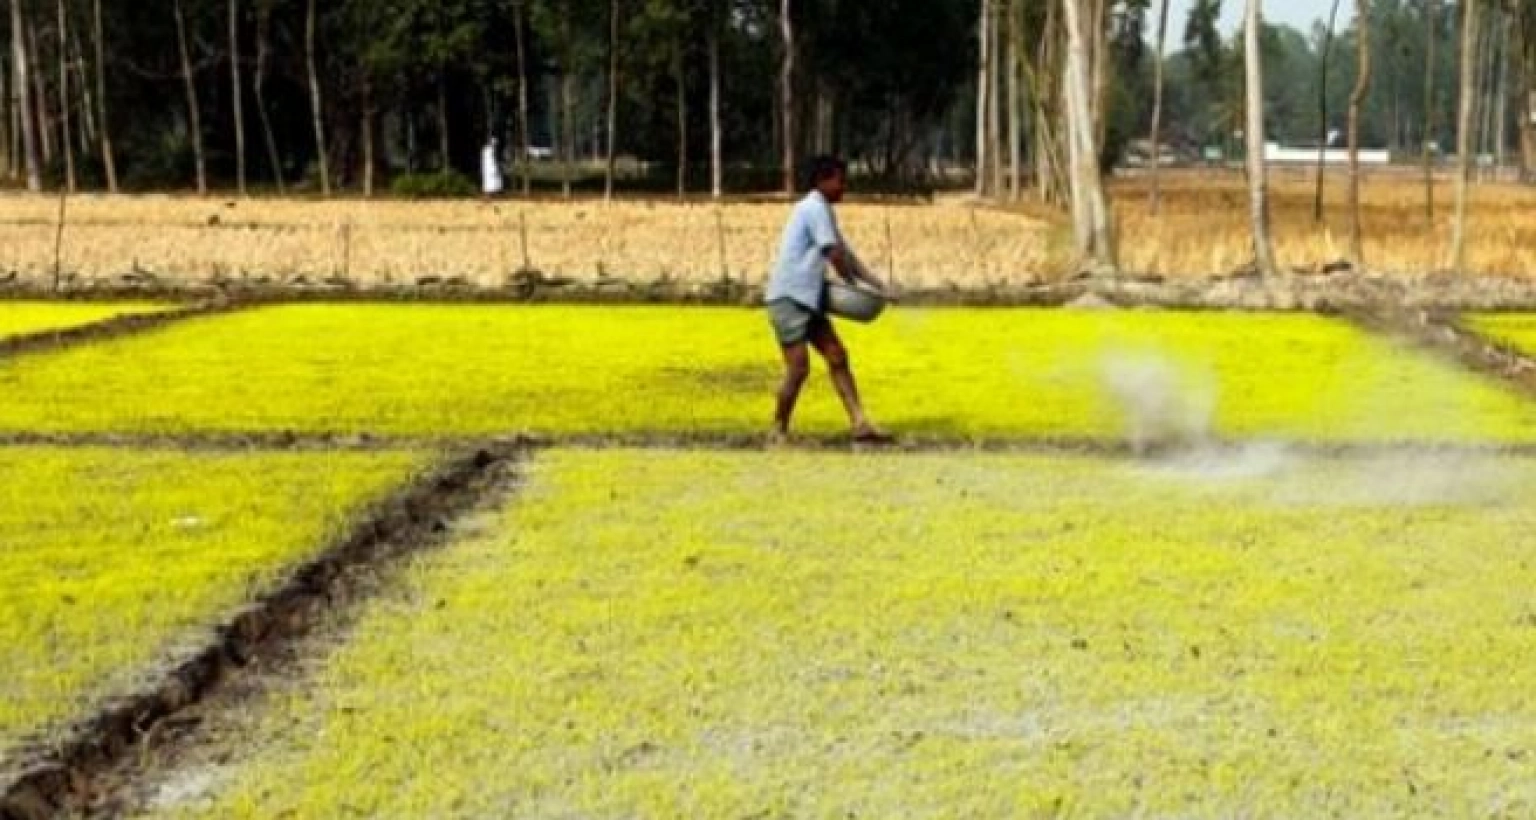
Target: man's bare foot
x=778, y=439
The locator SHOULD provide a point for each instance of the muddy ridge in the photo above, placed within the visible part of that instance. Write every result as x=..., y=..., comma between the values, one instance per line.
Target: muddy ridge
x=112, y=328
x=1325, y=289
x=1108, y=446
x=65, y=776
x=241, y=442
x=1322, y=290
x=1443, y=333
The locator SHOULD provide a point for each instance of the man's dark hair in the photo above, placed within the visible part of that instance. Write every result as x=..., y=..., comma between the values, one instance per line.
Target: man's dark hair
x=821, y=168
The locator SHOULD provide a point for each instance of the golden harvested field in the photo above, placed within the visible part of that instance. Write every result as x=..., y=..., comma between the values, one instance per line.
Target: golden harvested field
x=1203, y=228
x=399, y=242
x=1203, y=231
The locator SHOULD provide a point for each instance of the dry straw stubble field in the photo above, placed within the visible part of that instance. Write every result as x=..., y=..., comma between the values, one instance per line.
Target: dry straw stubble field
x=951, y=243
x=1204, y=225
x=400, y=243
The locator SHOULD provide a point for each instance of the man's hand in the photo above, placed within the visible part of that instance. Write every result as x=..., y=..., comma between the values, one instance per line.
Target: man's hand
x=852, y=269
x=867, y=276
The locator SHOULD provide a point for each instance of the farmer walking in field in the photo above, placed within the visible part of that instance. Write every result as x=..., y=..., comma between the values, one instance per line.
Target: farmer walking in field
x=797, y=299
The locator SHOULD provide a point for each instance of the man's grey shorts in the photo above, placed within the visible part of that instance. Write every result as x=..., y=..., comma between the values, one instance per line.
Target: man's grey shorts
x=795, y=323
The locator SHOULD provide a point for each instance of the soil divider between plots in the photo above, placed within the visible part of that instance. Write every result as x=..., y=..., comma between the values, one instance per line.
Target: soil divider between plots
x=66, y=776
x=112, y=328
x=1444, y=333
x=1296, y=292
x=229, y=442
x=1321, y=290
x=913, y=445
x=1109, y=446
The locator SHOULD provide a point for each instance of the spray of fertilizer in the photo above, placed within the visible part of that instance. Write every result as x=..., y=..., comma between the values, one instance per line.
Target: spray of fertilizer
x=1163, y=407
x=1169, y=413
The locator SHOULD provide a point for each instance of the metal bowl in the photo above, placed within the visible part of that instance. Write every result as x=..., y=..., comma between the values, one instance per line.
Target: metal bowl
x=855, y=303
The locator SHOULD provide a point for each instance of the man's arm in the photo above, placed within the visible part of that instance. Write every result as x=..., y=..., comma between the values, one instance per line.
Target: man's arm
x=842, y=261
x=864, y=273
x=824, y=232
x=851, y=268
x=823, y=228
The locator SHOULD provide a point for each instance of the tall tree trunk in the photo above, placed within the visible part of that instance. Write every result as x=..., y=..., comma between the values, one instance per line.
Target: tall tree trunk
x=1099, y=45
x=1322, y=113
x=1527, y=98
x=716, y=132
x=525, y=140
x=1015, y=69
x=263, y=52
x=984, y=100
x=995, y=100
x=821, y=119
x=7, y=124
x=370, y=127
x=1520, y=54
x=567, y=77
x=1431, y=14
x=1091, y=217
x=21, y=76
x=66, y=140
x=613, y=100
x=79, y=65
x=1501, y=96
x=787, y=94
x=567, y=129
x=194, y=115
x=316, y=101
x=682, y=121
x=237, y=94
x=1356, y=101
x=1469, y=27
x=17, y=149
x=1157, y=108
x=1488, y=59
x=40, y=93
x=1051, y=174
x=444, y=128
x=1258, y=170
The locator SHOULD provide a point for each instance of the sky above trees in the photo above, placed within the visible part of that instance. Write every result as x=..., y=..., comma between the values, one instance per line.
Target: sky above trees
x=1299, y=14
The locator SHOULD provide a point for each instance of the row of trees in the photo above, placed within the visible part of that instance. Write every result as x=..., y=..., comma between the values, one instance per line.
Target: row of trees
x=1495, y=70
x=284, y=93
x=1034, y=97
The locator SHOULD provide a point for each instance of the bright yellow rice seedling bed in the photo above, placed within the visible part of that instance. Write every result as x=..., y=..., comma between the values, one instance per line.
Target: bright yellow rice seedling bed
x=398, y=243
x=962, y=374
x=1516, y=329
x=114, y=561
x=724, y=636
x=19, y=318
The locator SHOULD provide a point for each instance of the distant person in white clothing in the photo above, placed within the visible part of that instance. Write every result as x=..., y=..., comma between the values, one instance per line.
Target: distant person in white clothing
x=491, y=182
